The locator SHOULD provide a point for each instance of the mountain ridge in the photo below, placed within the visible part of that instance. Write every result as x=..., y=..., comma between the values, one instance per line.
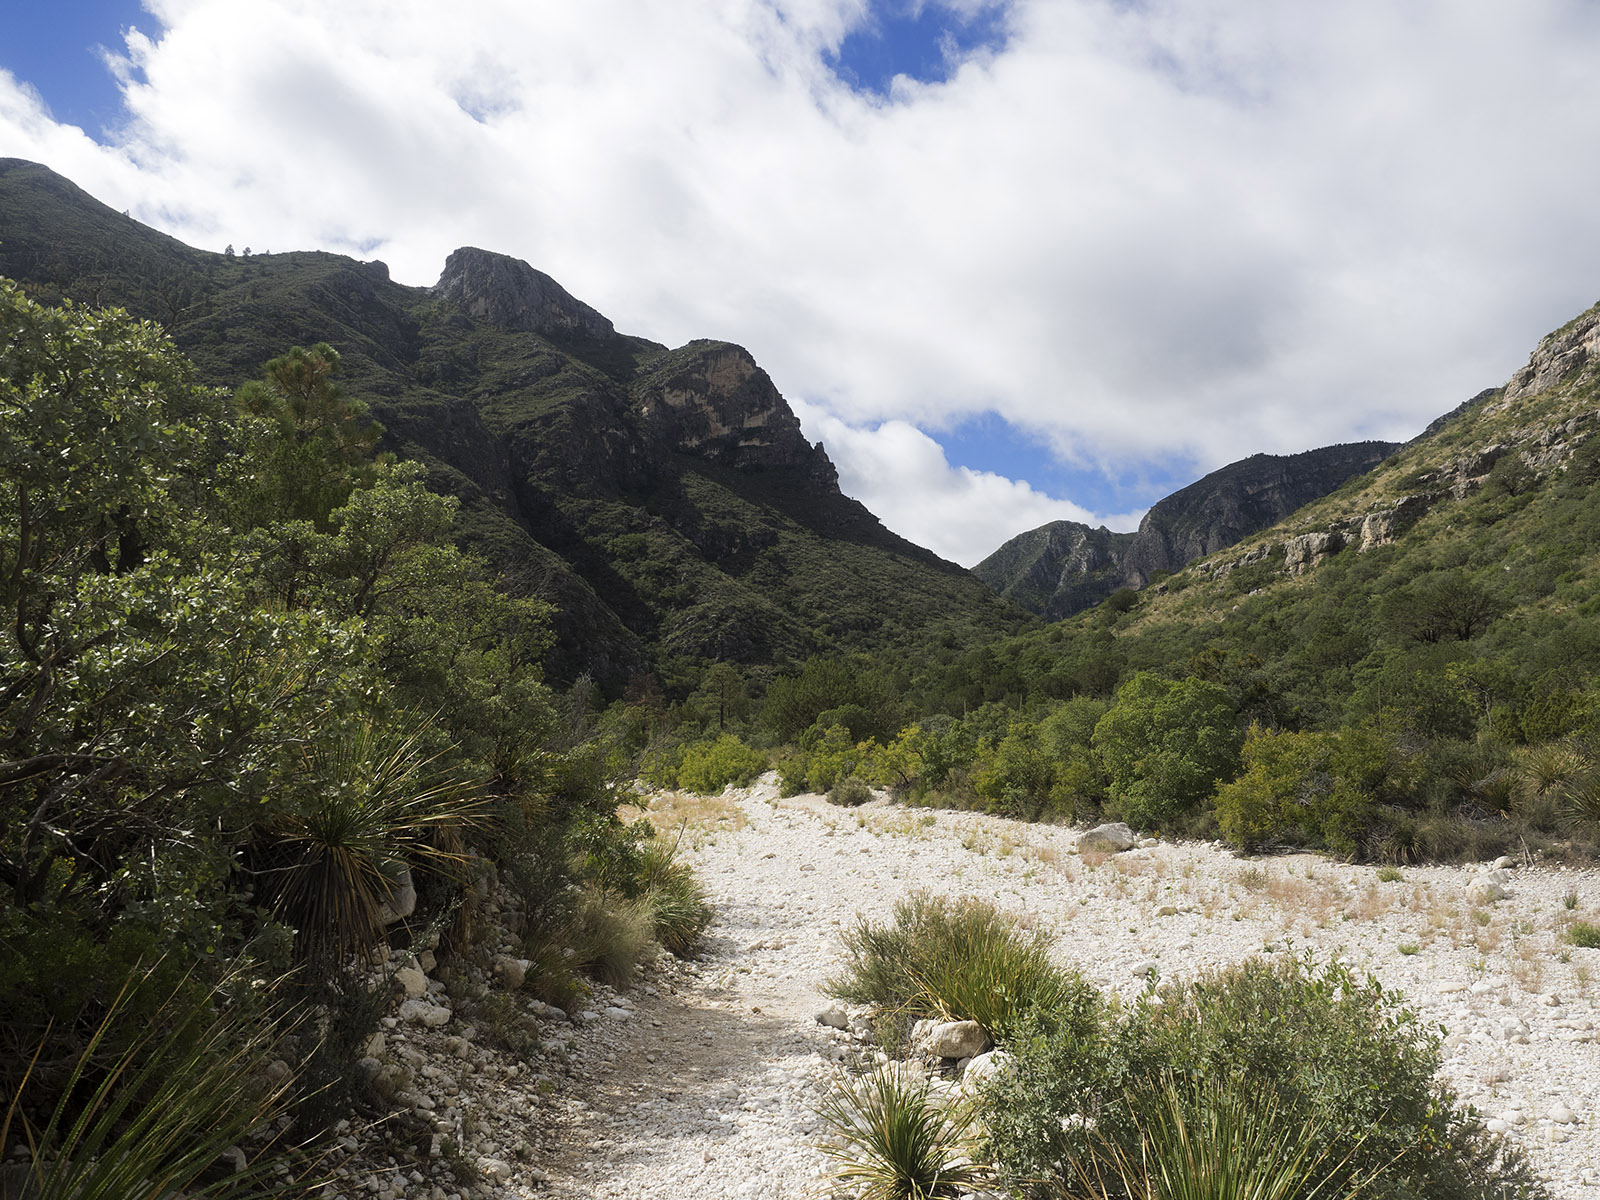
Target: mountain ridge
x=664, y=500
x=1065, y=567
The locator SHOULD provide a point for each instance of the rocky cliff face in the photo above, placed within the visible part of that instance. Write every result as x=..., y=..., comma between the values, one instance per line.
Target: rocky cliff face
x=1559, y=356
x=1064, y=567
x=508, y=293
x=664, y=501
x=711, y=400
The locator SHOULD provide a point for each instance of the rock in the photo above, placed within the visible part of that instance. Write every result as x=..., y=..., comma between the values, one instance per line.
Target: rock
x=1496, y=1073
x=1167, y=910
x=834, y=1017
x=957, y=1039
x=512, y=972
x=985, y=1066
x=278, y=1072
x=617, y=1013
x=1146, y=967
x=495, y=1169
x=1485, y=889
x=1112, y=838
x=1562, y=1115
x=420, y=1012
x=413, y=980
x=401, y=901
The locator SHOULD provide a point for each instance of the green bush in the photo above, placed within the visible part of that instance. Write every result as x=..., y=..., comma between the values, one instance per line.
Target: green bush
x=955, y=960
x=708, y=767
x=1339, y=1058
x=1585, y=934
x=850, y=792
x=1215, y=1140
x=679, y=910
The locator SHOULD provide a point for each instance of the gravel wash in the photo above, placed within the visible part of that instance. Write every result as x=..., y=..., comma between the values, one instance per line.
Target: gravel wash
x=702, y=1081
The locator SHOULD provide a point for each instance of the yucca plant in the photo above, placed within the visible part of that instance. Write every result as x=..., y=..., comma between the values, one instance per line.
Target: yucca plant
x=1216, y=1140
x=377, y=803
x=891, y=1138
x=152, y=1120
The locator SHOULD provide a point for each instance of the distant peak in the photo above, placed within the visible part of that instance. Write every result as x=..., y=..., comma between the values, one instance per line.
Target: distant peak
x=507, y=292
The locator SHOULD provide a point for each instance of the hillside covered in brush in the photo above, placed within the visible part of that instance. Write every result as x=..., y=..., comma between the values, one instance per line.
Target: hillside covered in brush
x=1402, y=668
x=664, y=501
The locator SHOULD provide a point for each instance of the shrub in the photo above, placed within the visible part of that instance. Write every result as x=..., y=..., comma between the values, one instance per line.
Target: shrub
x=952, y=959
x=1585, y=934
x=891, y=1139
x=1341, y=1060
x=150, y=1119
x=708, y=767
x=850, y=792
x=611, y=934
x=679, y=910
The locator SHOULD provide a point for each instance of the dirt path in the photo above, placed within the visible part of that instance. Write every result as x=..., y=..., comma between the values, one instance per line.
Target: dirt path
x=708, y=1087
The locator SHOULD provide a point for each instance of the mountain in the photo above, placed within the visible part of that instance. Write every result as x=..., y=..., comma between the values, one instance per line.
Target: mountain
x=664, y=500
x=1065, y=567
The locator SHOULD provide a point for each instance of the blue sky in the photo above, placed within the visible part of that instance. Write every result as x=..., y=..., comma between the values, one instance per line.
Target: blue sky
x=1011, y=260
x=922, y=42
x=57, y=47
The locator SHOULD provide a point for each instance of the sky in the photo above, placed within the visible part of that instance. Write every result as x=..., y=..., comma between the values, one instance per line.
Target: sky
x=1011, y=261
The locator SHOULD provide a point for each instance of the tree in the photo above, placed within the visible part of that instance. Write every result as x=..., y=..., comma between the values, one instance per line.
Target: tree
x=1165, y=745
x=306, y=446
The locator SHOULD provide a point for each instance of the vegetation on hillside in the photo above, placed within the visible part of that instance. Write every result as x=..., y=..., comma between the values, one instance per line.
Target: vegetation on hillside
x=1424, y=692
x=252, y=698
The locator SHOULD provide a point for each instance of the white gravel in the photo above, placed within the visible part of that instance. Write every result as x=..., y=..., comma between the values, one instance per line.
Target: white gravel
x=703, y=1081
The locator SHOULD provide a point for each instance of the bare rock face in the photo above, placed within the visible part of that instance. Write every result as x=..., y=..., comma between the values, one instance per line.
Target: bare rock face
x=1064, y=567
x=1558, y=356
x=507, y=292
x=711, y=400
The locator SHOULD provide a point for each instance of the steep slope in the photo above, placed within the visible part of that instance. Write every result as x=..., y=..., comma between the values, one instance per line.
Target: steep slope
x=666, y=501
x=1064, y=567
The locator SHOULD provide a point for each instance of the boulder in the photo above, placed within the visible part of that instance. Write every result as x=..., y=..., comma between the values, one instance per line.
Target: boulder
x=834, y=1017
x=957, y=1039
x=985, y=1067
x=401, y=901
x=413, y=980
x=1112, y=838
x=420, y=1012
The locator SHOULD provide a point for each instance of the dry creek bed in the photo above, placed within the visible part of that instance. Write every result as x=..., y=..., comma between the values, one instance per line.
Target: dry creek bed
x=702, y=1079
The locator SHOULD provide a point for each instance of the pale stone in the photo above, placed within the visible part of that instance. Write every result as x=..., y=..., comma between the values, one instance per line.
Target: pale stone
x=957, y=1039
x=420, y=1012
x=1146, y=967
x=984, y=1067
x=1111, y=838
x=413, y=980
x=834, y=1017
x=401, y=901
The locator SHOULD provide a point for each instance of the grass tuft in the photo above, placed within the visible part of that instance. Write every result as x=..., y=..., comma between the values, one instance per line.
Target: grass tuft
x=953, y=959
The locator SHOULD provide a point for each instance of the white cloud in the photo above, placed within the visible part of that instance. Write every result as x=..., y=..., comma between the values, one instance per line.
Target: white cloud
x=1182, y=228
x=903, y=476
